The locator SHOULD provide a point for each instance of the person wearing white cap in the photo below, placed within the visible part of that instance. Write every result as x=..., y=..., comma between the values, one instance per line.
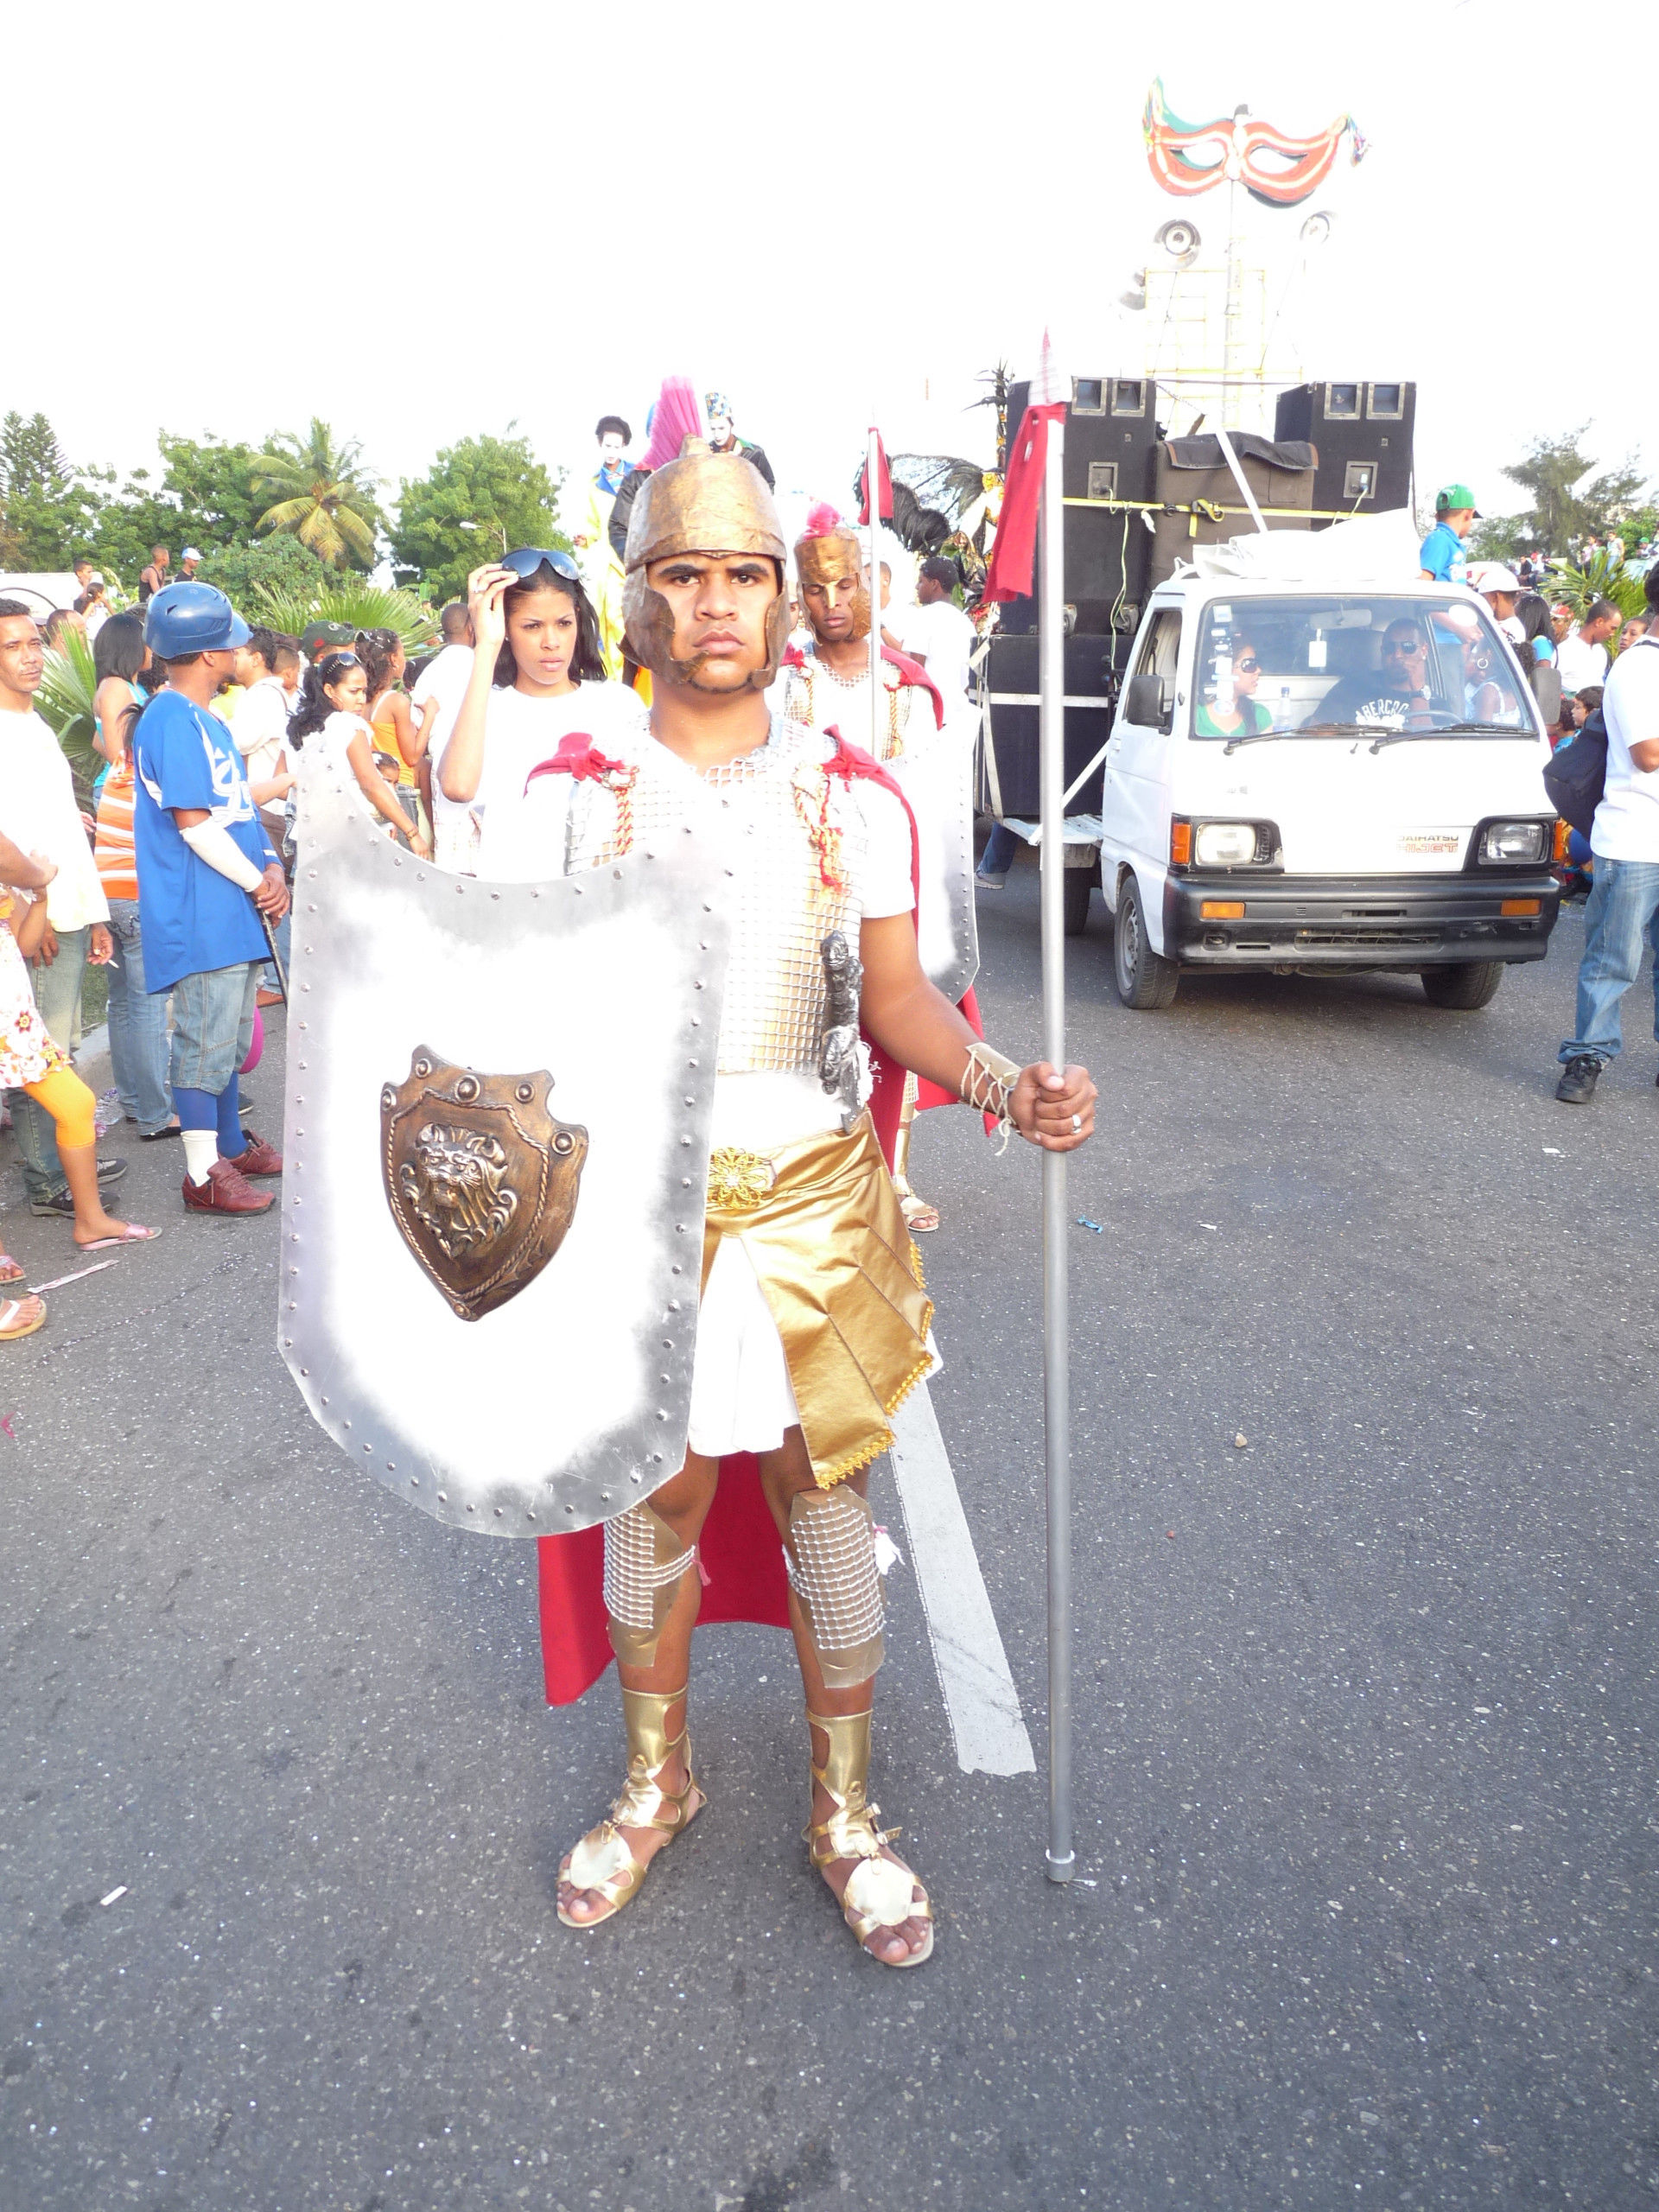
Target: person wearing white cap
x=1500, y=588
x=189, y=561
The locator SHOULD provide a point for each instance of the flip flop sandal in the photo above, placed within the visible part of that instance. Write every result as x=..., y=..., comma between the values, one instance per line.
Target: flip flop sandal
x=134, y=1234
x=919, y=1217
x=10, y=1328
x=9, y=1270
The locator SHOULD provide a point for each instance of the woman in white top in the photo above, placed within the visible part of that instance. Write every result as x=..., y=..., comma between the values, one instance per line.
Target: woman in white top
x=539, y=676
x=331, y=725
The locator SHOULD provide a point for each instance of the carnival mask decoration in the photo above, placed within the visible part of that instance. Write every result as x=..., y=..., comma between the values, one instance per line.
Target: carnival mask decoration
x=1187, y=158
x=827, y=552
x=702, y=503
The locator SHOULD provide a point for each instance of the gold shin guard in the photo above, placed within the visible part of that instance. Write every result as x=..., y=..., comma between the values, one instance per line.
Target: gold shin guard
x=645, y=1565
x=831, y=1561
x=601, y=1863
x=882, y=1891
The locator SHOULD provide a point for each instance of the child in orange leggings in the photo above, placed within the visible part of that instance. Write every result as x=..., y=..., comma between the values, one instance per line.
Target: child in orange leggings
x=30, y=1061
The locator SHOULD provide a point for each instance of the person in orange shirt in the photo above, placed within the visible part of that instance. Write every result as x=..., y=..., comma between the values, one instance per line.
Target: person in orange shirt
x=138, y=1046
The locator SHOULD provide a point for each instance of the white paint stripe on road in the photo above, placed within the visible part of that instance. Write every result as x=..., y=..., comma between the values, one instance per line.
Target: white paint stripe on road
x=981, y=1701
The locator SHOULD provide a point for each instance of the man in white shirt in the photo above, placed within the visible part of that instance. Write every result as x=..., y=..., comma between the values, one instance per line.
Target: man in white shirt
x=454, y=826
x=1583, y=652
x=938, y=634
x=38, y=811
x=1623, y=916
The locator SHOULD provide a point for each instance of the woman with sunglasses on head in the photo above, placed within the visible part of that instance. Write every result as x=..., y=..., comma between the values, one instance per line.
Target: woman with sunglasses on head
x=538, y=676
x=1230, y=705
x=331, y=724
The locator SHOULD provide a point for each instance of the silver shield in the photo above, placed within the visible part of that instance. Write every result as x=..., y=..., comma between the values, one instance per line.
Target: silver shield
x=438, y=1025
x=935, y=773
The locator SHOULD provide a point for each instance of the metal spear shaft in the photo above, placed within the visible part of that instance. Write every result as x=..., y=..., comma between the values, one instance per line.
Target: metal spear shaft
x=1061, y=1859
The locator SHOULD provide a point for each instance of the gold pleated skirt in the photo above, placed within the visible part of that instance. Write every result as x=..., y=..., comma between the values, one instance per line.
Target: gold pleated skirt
x=842, y=1279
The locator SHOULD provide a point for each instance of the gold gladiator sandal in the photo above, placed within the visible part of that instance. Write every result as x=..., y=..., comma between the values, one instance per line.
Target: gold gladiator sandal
x=601, y=1862
x=881, y=1891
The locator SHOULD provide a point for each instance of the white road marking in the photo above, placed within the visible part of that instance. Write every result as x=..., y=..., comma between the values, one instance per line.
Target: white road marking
x=981, y=1701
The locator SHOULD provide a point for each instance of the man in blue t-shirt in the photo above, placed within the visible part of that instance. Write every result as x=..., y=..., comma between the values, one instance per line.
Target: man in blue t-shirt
x=1442, y=554
x=206, y=873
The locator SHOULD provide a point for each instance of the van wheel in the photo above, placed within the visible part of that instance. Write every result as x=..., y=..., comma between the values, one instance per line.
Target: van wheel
x=1079, y=881
x=1144, y=978
x=1463, y=984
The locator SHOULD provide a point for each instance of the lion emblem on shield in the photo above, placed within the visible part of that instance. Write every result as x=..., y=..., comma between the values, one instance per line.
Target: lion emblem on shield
x=456, y=1186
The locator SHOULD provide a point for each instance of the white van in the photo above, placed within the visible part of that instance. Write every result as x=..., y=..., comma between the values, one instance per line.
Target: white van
x=1304, y=778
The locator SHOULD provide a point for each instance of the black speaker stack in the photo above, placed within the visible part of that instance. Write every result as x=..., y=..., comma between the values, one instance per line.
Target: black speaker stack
x=1362, y=433
x=1111, y=440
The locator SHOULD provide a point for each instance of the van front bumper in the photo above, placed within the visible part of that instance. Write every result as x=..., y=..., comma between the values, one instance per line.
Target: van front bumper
x=1367, y=921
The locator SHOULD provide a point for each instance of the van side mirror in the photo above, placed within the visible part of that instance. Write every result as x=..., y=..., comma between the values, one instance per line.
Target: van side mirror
x=1144, y=703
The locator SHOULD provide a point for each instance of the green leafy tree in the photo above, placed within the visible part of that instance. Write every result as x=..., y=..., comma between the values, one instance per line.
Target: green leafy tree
x=1564, y=507
x=345, y=598
x=279, y=564
x=46, y=511
x=324, y=496
x=480, y=498
x=1600, y=577
x=65, y=701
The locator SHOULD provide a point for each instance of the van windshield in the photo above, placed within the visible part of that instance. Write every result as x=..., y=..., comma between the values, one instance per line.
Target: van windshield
x=1381, y=665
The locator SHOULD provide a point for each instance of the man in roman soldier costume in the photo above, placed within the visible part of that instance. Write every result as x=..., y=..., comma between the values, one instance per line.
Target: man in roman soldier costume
x=926, y=744
x=814, y=1318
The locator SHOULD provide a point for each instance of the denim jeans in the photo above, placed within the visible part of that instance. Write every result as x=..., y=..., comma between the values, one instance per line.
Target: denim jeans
x=137, y=1026
x=57, y=993
x=1623, y=914
x=1000, y=849
x=213, y=1024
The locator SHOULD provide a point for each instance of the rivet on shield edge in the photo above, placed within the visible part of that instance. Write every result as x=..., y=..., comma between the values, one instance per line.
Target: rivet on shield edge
x=368, y=1448
x=324, y=1401
x=497, y=1512
x=696, y=1022
x=636, y=1477
x=676, y=1269
x=674, y=1304
x=443, y=1497
x=496, y=894
x=420, y=875
x=415, y=1481
x=685, y=1182
x=471, y=1507
x=570, y=1509
x=661, y=1415
x=304, y=1371
x=288, y=1346
x=604, y=1496
x=530, y=1513
x=617, y=873
x=656, y=1458
x=348, y=1424
x=685, y=1140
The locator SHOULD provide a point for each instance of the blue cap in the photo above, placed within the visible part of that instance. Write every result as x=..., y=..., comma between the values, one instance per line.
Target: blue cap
x=191, y=618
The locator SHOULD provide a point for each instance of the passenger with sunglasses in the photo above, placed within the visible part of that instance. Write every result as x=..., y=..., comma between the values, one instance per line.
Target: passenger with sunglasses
x=332, y=725
x=1229, y=704
x=538, y=675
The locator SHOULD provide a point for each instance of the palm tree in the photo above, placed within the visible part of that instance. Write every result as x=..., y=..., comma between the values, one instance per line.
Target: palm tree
x=327, y=501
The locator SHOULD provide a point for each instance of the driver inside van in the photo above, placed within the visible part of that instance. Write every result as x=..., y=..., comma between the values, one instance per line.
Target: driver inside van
x=1396, y=696
x=1229, y=704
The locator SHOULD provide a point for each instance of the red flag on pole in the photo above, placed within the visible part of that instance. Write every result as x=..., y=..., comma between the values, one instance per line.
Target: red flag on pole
x=1013, y=555
x=883, y=482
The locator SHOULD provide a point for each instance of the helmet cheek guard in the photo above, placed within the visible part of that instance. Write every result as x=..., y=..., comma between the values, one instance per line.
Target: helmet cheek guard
x=706, y=503
x=648, y=626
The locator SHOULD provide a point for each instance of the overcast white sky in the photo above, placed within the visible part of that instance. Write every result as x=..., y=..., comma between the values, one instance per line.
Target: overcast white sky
x=551, y=207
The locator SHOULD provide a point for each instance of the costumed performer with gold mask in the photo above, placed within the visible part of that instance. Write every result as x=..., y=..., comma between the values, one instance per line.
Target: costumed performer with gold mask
x=826, y=684
x=814, y=1317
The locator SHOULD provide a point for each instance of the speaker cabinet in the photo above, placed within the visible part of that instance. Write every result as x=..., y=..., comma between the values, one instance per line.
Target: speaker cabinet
x=1363, y=434
x=1091, y=661
x=1186, y=471
x=1111, y=430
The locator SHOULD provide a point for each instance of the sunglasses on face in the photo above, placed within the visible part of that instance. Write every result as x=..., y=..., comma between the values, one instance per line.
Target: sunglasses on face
x=528, y=558
x=1402, y=648
x=338, y=661
x=1248, y=665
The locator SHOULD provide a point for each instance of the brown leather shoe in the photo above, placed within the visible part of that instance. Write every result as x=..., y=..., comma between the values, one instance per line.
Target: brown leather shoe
x=227, y=1190
x=257, y=1158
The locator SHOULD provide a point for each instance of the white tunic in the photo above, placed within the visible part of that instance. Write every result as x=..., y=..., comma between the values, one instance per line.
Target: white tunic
x=767, y=1092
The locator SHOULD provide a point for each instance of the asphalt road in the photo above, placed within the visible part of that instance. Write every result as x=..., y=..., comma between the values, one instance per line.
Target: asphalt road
x=1366, y=1545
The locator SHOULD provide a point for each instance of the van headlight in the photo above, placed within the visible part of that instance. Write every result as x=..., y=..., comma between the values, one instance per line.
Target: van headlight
x=1234, y=844
x=1513, y=844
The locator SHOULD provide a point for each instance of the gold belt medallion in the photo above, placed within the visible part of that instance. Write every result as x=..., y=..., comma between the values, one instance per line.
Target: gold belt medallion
x=738, y=1180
